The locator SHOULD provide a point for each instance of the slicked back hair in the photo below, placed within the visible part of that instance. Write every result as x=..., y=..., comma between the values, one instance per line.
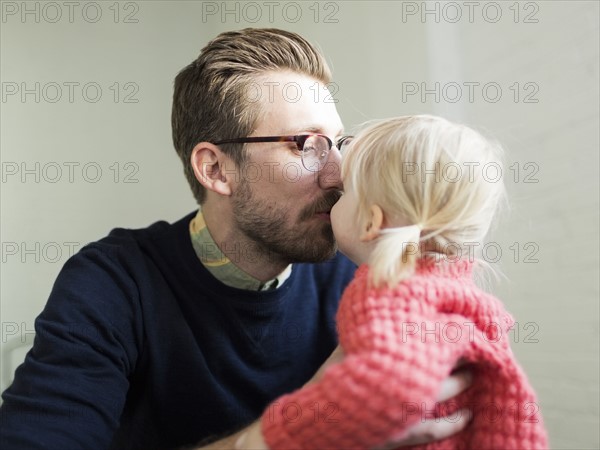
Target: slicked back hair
x=215, y=97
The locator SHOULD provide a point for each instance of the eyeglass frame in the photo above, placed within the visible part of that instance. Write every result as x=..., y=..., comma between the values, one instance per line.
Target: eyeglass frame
x=299, y=139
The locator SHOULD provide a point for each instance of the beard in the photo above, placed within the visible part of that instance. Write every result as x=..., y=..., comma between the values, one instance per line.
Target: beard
x=267, y=226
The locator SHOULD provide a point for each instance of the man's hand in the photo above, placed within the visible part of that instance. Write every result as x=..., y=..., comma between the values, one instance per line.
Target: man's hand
x=252, y=439
x=437, y=429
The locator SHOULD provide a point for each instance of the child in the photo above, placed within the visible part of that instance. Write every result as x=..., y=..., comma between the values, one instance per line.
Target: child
x=418, y=195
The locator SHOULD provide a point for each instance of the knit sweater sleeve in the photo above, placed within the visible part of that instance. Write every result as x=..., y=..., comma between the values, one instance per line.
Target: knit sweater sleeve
x=70, y=391
x=387, y=382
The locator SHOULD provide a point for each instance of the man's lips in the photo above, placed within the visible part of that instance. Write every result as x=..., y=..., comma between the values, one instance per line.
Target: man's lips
x=325, y=215
x=321, y=208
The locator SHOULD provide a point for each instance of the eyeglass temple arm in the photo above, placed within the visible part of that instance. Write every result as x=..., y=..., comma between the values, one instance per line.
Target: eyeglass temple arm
x=259, y=139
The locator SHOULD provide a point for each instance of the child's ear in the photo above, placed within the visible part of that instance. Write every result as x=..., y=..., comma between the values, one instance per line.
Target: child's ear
x=373, y=224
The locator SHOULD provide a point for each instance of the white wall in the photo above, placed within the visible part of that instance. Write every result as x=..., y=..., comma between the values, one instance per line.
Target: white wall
x=377, y=55
x=557, y=215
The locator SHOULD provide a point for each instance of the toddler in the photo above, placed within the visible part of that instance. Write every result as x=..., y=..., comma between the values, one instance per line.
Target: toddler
x=419, y=193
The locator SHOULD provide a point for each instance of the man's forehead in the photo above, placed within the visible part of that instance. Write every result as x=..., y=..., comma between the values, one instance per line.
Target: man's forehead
x=293, y=107
x=314, y=128
x=299, y=119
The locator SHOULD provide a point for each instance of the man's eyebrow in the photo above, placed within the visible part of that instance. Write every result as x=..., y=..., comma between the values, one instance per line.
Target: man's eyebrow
x=318, y=130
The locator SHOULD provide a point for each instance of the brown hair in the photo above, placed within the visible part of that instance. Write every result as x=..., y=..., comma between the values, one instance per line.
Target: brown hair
x=210, y=99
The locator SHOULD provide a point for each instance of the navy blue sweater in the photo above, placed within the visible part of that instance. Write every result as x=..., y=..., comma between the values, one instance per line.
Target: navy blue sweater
x=140, y=347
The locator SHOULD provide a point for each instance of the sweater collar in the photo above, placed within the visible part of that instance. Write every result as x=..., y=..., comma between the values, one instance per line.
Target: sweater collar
x=220, y=266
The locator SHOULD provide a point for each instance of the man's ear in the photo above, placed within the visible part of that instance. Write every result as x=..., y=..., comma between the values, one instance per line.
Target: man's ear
x=208, y=162
x=373, y=224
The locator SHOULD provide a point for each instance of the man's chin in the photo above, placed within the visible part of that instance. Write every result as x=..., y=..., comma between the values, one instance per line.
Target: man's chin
x=311, y=242
x=316, y=256
x=321, y=247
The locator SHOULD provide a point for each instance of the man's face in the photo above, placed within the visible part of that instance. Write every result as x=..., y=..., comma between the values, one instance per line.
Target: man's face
x=280, y=205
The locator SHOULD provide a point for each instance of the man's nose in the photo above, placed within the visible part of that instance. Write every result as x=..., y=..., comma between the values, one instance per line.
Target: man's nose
x=330, y=174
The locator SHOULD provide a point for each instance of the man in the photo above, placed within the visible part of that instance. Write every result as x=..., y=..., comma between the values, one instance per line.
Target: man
x=179, y=334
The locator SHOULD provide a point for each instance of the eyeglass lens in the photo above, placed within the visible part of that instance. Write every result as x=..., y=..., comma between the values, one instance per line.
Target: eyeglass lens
x=315, y=151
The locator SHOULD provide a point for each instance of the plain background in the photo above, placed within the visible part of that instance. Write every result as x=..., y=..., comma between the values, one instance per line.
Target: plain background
x=86, y=144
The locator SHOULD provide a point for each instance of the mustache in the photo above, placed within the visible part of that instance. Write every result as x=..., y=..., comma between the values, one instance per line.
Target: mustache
x=324, y=204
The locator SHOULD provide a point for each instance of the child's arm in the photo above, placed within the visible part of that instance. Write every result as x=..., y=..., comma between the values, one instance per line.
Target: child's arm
x=365, y=400
x=423, y=432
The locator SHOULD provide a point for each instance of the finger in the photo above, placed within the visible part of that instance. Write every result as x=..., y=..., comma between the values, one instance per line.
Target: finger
x=336, y=356
x=441, y=428
x=432, y=430
x=454, y=385
x=338, y=352
x=240, y=442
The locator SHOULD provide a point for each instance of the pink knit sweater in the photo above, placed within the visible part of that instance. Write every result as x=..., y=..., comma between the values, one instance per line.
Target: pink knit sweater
x=400, y=344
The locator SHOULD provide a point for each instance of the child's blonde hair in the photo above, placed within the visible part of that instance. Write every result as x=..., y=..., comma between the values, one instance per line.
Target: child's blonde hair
x=442, y=177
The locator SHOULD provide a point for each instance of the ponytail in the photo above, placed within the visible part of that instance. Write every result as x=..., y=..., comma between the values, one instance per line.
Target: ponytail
x=395, y=255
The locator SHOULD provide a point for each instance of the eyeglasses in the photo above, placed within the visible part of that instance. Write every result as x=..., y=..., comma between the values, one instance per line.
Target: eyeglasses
x=313, y=148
